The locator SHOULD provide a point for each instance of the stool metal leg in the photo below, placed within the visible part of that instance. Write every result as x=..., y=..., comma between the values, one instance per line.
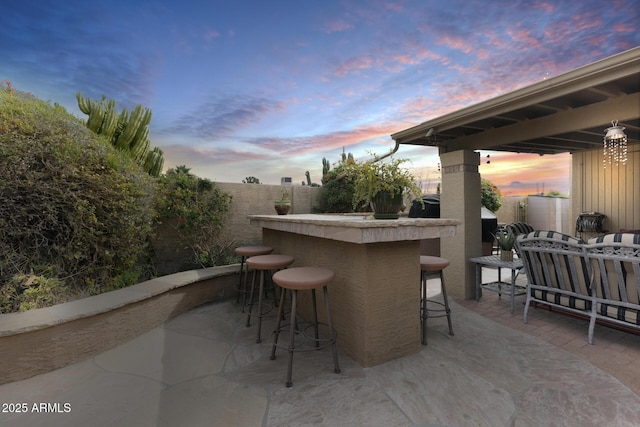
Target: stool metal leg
x=292, y=336
x=253, y=287
x=260, y=296
x=446, y=302
x=276, y=333
x=241, y=289
x=315, y=318
x=332, y=333
x=423, y=310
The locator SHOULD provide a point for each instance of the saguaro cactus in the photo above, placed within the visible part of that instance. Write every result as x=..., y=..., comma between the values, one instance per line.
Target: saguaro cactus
x=326, y=166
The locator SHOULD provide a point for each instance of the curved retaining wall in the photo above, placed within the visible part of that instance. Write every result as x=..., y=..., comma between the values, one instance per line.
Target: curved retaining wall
x=45, y=339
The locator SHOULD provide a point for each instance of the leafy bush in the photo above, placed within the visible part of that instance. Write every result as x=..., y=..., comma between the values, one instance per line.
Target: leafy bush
x=200, y=207
x=490, y=196
x=74, y=210
x=336, y=194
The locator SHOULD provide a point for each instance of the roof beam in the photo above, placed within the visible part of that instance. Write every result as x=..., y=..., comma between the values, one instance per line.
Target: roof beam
x=621, y=108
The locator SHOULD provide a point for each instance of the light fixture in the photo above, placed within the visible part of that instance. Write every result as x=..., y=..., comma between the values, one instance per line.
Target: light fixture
x=615, y=145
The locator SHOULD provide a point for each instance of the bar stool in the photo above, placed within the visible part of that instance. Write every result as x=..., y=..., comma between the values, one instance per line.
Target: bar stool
x=304, y=279
x=260, y=264
x=430, y=265
x=245, y=252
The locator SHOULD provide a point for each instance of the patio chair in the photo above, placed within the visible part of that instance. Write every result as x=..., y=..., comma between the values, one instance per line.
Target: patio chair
x=615, y=260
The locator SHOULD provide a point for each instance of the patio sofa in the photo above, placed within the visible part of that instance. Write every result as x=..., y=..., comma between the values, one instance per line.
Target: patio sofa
x=599, y=279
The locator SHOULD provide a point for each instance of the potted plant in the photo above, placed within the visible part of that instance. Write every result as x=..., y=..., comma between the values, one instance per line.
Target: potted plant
x=382, y=185
x=506, y=240
x=284, y=204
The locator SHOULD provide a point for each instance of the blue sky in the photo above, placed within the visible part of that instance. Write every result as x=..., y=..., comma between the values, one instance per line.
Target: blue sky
x=268, y=88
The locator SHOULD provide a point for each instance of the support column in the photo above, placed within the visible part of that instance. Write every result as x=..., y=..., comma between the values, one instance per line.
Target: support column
x=460, y=199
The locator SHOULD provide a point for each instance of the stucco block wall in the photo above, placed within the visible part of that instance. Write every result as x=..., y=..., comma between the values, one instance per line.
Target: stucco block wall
x=257, y=199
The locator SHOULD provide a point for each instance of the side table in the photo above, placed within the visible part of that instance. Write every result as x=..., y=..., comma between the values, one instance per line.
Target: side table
x=509, y=288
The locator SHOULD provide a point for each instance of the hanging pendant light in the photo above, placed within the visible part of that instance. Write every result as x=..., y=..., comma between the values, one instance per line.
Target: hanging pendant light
x=615, y=145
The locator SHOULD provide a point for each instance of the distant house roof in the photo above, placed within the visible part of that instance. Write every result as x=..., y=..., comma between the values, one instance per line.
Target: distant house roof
x=565, y=113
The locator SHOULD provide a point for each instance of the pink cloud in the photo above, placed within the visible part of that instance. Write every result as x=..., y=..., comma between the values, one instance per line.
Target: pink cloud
x=457, y=43
x=333, y=140
x=623, y=27
x=523, y=36
x=353, y=65
x=547, y=7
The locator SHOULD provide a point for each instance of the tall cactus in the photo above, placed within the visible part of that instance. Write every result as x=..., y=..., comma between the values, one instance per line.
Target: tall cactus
x=127, y=132
x=102, y=114
x=154, y=162
x=326, y=166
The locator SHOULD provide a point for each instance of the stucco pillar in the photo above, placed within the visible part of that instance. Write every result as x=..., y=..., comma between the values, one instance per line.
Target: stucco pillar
x=460, y=199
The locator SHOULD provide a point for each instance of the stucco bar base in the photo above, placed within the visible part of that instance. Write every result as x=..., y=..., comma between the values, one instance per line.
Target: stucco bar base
x=375, y=296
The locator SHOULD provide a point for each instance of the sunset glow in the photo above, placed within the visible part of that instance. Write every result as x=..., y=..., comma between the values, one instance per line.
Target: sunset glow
x=267, y=89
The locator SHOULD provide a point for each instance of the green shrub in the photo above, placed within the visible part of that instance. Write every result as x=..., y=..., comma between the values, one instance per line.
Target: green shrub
x=71, y=203
x=336, y=194
x=490, y=196
x=200, y=208
x=26, y=291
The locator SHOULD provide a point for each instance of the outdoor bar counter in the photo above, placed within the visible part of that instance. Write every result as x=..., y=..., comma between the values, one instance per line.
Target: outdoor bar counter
x=375, y=296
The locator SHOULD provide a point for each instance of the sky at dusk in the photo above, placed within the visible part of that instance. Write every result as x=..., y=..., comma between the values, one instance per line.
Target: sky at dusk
x=268, y=88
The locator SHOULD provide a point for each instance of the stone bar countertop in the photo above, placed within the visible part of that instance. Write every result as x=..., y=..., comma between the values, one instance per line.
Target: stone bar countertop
x=358, y=228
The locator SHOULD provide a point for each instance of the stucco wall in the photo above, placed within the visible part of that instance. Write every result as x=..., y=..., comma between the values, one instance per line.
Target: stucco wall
x=257, y=199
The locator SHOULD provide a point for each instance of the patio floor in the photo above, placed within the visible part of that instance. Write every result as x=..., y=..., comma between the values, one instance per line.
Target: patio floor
x=203, y=368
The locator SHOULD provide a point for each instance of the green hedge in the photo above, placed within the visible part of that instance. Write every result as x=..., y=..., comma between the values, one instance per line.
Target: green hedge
x=75, y=214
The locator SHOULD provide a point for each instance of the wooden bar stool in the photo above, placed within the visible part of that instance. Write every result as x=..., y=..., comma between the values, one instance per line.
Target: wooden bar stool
x=304, y=279
x=430, y=265
x=260, y=264
x=245, y=252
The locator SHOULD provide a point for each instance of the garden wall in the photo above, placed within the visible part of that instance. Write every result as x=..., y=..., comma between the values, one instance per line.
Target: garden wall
x=44, y=339
x=257, y=199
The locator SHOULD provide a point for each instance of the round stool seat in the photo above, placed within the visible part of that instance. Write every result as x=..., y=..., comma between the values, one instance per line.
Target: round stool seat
x=248, y=251
x=303, y=278
x=269, y=262
x=433, y=263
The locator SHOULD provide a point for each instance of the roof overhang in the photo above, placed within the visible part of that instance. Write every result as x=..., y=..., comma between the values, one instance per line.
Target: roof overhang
x=565, y=113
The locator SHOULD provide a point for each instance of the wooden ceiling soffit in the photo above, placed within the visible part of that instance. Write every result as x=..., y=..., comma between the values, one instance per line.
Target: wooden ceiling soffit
x=621, y=108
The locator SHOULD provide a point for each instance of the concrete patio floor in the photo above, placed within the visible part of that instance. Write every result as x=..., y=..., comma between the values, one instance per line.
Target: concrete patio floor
x=203, y=368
